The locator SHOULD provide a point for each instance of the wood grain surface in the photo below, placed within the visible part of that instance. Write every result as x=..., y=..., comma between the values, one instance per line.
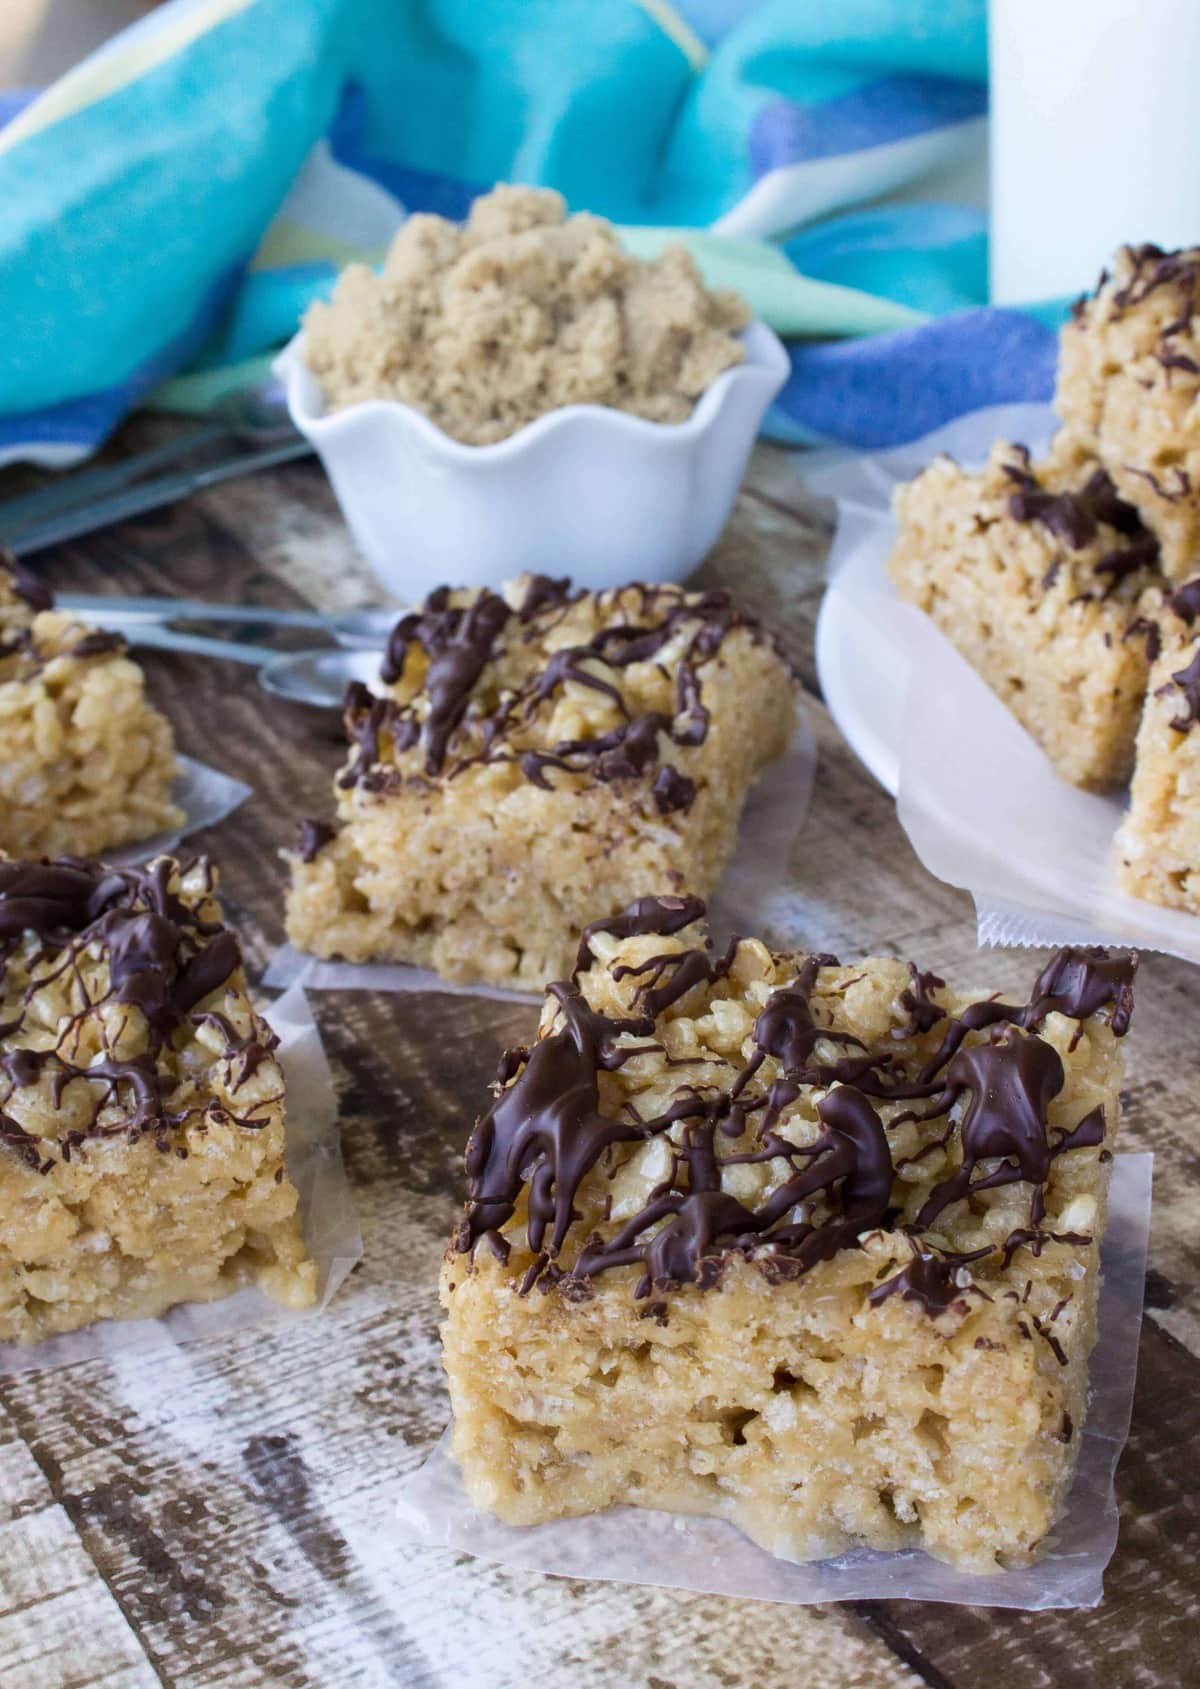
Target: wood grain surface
x=219, y=1514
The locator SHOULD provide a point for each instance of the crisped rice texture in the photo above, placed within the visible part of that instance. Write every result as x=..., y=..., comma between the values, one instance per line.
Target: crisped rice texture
x=113, y=1207
x=1129, y=392
x=86, y=761
x=792, y=1406
x=1052, y=636
x=481, y=871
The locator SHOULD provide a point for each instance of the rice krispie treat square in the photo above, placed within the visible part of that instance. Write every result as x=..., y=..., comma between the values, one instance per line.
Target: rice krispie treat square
x=1159, y=842
x=141, y=1103
x=86, y=762
x=1128, y=391
x=1035, y=573
x=813, y=1247
x=530, y=758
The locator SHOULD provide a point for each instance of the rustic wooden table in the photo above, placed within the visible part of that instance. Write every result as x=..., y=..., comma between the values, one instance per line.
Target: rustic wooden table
x=219, y=1515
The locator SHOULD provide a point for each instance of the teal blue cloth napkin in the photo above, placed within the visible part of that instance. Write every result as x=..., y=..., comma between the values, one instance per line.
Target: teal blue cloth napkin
x=171, y=206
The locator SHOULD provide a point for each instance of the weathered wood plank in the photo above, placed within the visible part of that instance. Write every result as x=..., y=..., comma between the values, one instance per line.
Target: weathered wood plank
x=59, y=1623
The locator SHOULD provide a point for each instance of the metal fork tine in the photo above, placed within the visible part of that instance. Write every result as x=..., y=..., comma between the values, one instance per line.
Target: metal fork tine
x=109, y=610
x=77, y=486
x=150, y=495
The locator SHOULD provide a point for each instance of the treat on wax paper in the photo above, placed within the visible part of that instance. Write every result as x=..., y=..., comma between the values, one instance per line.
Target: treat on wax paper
x=141, y=1102
x=530, y=758
x=86, y=761
x=1036, y=574
x=1129, y=391
x=812, y=1246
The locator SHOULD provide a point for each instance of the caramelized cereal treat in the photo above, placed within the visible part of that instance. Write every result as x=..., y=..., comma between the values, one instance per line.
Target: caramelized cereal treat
x=813, y=1247
x=1159, y=842
x=141, y=1104
x=530, y=757
x=1035, y=574
x=1128, y=391
x=86, y=763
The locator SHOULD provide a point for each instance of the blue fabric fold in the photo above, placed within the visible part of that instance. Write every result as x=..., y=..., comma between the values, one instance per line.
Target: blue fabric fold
x=178, y=200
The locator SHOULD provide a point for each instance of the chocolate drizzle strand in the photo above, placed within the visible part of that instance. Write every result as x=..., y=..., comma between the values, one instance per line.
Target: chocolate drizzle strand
x=1076, y=518
x=983, y=1099
x=32, y=591
x=27, y=597
x=312, y=838
x=1184, y=686
x=455, y=705
x=66, y=923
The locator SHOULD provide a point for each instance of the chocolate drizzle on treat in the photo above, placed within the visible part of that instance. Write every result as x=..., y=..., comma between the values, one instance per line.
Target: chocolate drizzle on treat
x=312, y=838
x=458, y=644
x=1074, y=517
x=1181, y=489
x=547, y=1129
x=924, y=1011
x=937, y=1281
x=1077, y=517
x=161, y=957
x=1149, y=627
x=1185, y=601
x=460, y=720
x=99, y=643
x=1009, y=1082
x=1150, y=268
x=1185, y=682
x=36, y=597
x=24, y=583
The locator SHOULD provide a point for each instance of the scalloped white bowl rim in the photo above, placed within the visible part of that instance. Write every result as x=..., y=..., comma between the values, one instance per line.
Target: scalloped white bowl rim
x=766, y=360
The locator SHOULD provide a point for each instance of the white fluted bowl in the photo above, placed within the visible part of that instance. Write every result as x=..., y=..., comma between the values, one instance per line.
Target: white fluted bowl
x=586, y=490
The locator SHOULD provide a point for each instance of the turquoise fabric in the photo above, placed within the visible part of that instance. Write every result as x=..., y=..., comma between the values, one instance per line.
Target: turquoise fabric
x=176, y=202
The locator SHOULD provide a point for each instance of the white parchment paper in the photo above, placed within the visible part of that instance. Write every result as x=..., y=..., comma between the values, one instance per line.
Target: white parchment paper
x=205, y=796
x=627, y=1545
x=743, y=901
x=314, y=1163
x=975, y=794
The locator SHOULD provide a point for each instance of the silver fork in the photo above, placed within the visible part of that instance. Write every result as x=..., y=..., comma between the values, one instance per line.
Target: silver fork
x=316, y=677
x=142, y=620
x=86, y=499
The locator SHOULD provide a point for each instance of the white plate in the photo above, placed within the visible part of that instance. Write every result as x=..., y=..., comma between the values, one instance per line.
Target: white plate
x=861, y=698
x=975, y=794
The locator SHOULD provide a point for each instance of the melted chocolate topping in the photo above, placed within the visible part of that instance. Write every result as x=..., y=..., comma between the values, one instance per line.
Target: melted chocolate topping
x=1011, y=1082
x=458, y=643
x=546, y=1130
x=1076, y=518
x=1185, y=601
x=163, y=958
x=313, y=837
x=99, y=643
x=649, y=917
x=1187, y=683
x=25, y=583
x=1080, y=980
x=936, y=1281
x=1150, y=269
x=1182, y=488
x=924, y=1011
